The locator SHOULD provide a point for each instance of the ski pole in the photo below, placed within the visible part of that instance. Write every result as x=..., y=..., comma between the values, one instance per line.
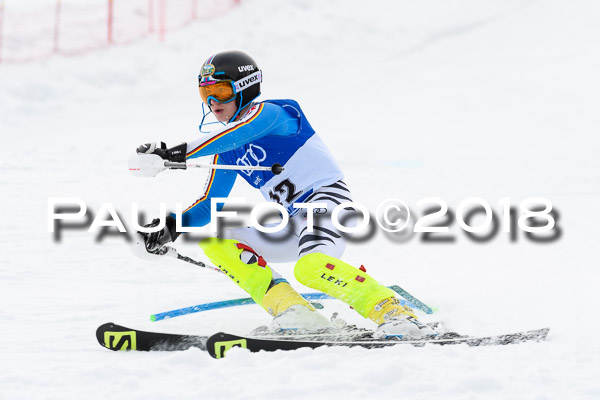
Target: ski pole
x=171, y=252
x=149, y=165
x=240, y=302
x=414, y=302
x=275, y=168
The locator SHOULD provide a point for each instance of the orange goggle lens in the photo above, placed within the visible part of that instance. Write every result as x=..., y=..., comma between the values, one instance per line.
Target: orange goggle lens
x=222, y=91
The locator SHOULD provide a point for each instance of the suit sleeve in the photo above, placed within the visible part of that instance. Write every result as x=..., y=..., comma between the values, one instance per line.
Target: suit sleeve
x=219, y=184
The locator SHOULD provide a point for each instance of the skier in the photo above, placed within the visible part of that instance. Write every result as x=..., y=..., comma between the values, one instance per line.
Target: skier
x=261, y=134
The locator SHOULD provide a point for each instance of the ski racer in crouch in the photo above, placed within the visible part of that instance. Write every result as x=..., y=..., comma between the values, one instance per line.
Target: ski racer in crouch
x=262, y=134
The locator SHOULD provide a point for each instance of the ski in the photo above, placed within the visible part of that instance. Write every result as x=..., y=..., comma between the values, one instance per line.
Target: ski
x=218, y=344
x=116, y=337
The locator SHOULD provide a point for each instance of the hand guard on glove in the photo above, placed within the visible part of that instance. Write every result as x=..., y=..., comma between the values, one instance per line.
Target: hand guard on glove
x=174, y=154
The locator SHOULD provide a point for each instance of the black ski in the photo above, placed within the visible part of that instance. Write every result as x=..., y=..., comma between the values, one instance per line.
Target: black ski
x=218, y=344
x=116, y=337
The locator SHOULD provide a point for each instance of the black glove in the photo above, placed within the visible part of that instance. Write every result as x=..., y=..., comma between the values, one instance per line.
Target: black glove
x=174, y=154
x=155, y=241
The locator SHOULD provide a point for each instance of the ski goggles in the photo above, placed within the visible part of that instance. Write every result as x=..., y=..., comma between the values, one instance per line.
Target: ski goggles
x=220, y=91
x=224, y=91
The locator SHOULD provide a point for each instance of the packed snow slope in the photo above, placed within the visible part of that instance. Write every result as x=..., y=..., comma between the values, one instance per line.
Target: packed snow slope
x=489, y=99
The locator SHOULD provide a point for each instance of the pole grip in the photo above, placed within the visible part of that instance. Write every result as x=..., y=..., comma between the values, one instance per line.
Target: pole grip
x=175, y=165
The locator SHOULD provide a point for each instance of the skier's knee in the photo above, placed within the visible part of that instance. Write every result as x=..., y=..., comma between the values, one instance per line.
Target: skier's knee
x=241, y=264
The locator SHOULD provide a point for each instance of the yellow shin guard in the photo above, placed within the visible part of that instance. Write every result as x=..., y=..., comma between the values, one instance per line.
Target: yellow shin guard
x=253, y=275
x=343, y=281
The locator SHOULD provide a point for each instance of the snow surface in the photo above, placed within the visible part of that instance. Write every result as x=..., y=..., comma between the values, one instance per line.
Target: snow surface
x=450, y=99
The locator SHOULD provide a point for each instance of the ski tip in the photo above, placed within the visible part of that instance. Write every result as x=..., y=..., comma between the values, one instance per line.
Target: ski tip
x=116, y=337
x=219, y=343
x=102, y=329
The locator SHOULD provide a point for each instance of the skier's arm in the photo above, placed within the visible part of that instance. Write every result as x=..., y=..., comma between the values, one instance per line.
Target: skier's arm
x=219, y=184
x=268, y=119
